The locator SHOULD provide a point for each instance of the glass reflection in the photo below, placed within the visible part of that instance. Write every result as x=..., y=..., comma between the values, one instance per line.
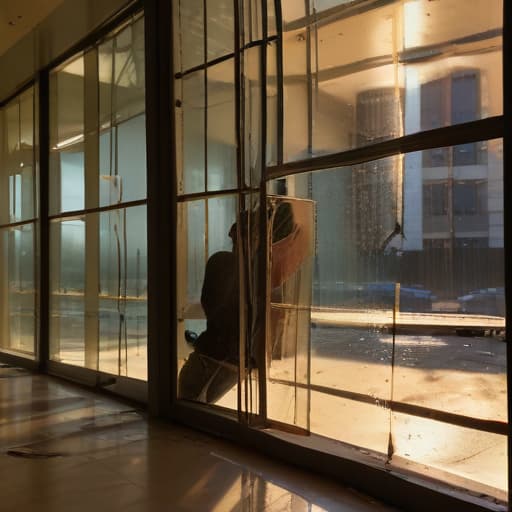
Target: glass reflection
x=18, y=318
x=17, y=160
x=121, y=75
x=354, y=77
x=106, y=329
x=220, y=30
x=67, y=168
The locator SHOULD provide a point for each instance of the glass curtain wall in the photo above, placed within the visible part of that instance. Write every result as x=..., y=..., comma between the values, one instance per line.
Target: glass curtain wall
x=408, y=360
x=97, y=207
x=19, y=225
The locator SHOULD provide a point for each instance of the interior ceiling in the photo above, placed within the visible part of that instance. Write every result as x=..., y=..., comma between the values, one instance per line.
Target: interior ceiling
x=19, y=17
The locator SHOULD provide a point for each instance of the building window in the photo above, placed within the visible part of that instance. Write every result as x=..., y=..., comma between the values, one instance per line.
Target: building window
x=436, y=243
x=435, y=199
x=470, y=197
x=447, y=101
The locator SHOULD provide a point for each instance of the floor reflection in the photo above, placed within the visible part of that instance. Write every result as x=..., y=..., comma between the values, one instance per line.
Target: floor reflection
x=67, y=449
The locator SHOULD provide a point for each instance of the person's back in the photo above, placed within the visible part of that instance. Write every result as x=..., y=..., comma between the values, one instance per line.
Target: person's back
x=219, y=299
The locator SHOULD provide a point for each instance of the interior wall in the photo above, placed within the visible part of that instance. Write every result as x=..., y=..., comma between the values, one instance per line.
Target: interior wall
x=66, y=26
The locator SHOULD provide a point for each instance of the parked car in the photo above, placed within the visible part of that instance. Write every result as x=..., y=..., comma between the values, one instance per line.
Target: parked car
x=412, y=298
x=380, y=295
x=486, y=301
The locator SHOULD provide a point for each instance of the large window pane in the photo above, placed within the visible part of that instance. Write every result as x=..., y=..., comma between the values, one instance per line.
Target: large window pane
x=121, y=75
x=18, y=289
x=18, y=233
x=123, y=162
x=221, y=137
x=411, y=323
x=190, y=120
x=67, y=172
x=360, y=76
x=253, y=117
x=208, y=335
x=103, y=329
x=123, y=293
x=220, y=29
x=98, y=256
x=17, y=160
x=67, y=292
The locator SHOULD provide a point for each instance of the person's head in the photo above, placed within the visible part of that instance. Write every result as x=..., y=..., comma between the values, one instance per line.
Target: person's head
x=248, y=225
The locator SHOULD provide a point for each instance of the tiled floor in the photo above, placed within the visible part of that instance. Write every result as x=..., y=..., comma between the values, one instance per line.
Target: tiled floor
x=66, y=449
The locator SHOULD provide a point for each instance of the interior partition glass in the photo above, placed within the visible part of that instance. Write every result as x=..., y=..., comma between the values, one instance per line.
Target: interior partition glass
x=98, y=248
x=18, y=225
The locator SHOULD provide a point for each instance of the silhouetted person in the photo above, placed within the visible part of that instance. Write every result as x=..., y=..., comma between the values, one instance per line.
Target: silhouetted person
x=211, y=370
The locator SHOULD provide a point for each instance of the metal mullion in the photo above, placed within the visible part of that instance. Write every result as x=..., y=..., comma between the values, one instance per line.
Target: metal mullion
x=99, y=209
x=419, y=411
x=222, y=58
x=507, y=191
x=262, y=306
x=205, y=120
x=161, y=207
x=279, y=82
x=309, y=82
x=204, y=66
x=239, y=134
x=213, y=193
x=474, y=131
x=35, y=147
x=205, y=78
x=258, y=42
x=32, y=220
x=43, y=345
x=92, y=224
x=35, y=206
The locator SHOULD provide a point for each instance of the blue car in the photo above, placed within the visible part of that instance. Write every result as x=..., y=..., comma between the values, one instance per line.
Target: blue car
x=486, y=301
